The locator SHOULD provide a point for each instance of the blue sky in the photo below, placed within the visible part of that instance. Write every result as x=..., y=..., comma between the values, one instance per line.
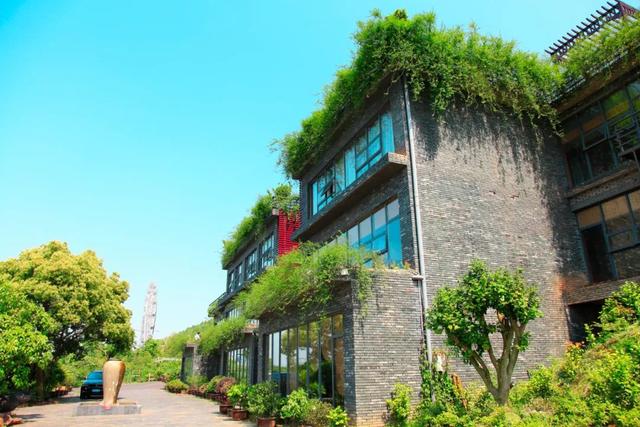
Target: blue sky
x=141, y=129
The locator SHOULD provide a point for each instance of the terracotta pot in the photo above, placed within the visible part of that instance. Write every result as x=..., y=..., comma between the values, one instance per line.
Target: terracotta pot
x=239, y=414
x=224, y=408
x=112, y=376
x=266, y=422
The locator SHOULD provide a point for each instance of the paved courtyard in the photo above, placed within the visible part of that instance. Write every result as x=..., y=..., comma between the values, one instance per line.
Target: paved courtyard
x=159, y=408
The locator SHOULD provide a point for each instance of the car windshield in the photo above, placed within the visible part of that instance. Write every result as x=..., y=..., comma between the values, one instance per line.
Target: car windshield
x=97, y=375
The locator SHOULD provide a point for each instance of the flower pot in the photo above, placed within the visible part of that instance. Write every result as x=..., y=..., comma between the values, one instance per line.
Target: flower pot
x=239, y=414
x=224, y=408
x=266, y=422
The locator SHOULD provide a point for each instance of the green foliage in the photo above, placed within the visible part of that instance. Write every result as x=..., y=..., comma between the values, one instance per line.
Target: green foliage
x=225, y=384
x=263, y=399
x=399, y=406
x=84, y=302
x=338, y=417
x=304, y=277
x=596, y=385
x=237, y=395
x=281, y=197
x=590, y=55
x=442, y=65
x=173, y=345
x=213, y=383
x=221, y=334
x=462, y=313
x=318, y=413
x=620, y=310
x=176, y=386
x=24, y=327
x=196, y=381
x=296, y=407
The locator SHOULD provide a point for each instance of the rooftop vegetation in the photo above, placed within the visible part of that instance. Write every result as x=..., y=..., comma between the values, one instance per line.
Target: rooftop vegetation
x=597, y=53
x=281, y=197
x=441, y=65
x=447, y=65
x=303, y=278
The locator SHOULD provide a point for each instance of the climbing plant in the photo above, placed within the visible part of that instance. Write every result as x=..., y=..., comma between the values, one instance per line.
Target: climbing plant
x=281, y=197
x=442, y=65
x=597, y=53
x=304, y=277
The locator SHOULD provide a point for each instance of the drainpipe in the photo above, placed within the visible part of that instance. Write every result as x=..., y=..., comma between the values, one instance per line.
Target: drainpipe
x=418, y=220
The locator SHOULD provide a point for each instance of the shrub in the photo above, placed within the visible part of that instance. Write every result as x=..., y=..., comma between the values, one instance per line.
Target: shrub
x=263, y=399
x=213, y=382
x=399, y=406
x=224, y=384
x=296, y=407
x=237, y=395
x=317, y=414
x=176, y=386
x=620, y=310
x=338, y=417
x=196, y=381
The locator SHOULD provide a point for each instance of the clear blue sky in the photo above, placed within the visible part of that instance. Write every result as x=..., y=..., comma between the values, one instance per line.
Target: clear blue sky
x=141, y=129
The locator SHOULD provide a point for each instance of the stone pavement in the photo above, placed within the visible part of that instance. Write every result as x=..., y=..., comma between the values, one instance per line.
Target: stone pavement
x=159, y=408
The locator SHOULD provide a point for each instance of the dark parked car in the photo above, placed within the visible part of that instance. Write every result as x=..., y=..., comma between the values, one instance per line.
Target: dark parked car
x=92, y=386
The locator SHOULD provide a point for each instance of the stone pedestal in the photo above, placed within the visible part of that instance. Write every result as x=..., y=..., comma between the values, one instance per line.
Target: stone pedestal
x=95, y=408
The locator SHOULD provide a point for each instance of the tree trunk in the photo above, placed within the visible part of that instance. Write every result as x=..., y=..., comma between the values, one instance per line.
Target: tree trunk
x=40, y=380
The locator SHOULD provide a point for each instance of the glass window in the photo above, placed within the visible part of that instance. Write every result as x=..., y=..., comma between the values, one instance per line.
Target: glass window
x=367, y=149
x=610, y=234
x=252, y=264
x=310, y=356
x=615, y=104
x=267, y=252
x=600, y=132
x=380, y=232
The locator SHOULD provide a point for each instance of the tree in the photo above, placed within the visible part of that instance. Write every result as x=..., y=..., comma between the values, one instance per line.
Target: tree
x=23, y=339
x=84, y=303
x=483, y=306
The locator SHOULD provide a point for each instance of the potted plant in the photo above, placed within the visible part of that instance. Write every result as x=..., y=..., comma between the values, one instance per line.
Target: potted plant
x=238, y=397
x=263, y=401
x=338, y=417
x=296, y=408
x=222, y=388
x=317, y=413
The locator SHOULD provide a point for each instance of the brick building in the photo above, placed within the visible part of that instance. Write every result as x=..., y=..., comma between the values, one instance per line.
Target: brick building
x=431, y=195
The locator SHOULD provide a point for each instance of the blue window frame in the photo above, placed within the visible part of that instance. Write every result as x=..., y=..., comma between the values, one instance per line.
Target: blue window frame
x=266, y=252
x=367, y=149
x=251, y=267
x=379, y=232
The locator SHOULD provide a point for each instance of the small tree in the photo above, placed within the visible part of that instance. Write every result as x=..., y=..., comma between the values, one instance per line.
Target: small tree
x=487, y=303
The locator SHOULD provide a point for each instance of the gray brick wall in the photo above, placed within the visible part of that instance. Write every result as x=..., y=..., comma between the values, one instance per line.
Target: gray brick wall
x=491, y=190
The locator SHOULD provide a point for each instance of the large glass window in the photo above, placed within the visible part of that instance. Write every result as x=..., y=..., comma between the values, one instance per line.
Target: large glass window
x=379, y=232
x=611, y=239
x=237, y=365
x=310, y=356
x=251, y=262
x=266, y=252
x=367, y=149
x=595, y=136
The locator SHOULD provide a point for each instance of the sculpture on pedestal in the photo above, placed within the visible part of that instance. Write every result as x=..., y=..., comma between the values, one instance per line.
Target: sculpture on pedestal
x=112, y=377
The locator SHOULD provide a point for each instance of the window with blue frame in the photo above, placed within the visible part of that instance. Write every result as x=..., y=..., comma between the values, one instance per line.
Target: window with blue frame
x=251, y=267
x=367, y=149
x=266, y=252
x=379, y=232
